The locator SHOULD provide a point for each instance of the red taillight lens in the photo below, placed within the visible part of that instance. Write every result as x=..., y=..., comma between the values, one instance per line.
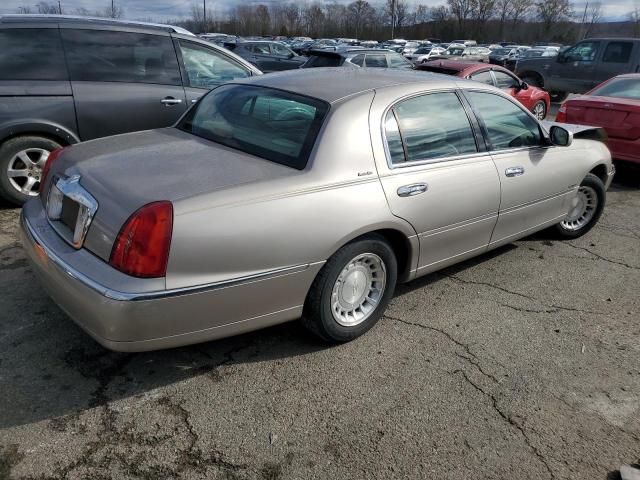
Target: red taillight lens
x=142, y=246
x=53, y=156
x=562, y=114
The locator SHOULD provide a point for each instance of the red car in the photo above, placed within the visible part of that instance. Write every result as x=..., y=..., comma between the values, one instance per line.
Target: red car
x=533, y=98
x=615, y=106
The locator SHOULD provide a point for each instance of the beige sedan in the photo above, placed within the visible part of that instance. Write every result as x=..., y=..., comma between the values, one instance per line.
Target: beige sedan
x=306, y=194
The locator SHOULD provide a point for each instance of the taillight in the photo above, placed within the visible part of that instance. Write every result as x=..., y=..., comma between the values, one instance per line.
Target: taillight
x=53, y=156
x=562, y=114
x=142, y=246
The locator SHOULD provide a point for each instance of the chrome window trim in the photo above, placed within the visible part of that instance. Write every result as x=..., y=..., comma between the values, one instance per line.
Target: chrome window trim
x=415, y=163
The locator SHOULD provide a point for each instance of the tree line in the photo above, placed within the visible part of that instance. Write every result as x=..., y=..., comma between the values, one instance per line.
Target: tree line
x=522, y=21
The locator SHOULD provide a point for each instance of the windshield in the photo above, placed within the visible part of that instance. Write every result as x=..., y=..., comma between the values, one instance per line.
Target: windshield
x=501, y=51
x=622, y=88
x=272, y=124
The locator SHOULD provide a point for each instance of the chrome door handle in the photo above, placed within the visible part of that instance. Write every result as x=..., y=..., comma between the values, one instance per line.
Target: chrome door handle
x=168, y=101
x=195, y=100
x=413, y=189
x=514, y=171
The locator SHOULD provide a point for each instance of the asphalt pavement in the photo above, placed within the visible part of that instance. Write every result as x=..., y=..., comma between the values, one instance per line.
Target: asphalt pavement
x=520, y=364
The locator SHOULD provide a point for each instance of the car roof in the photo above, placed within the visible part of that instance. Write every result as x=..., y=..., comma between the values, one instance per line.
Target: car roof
x=42, y=18
x=334, y=84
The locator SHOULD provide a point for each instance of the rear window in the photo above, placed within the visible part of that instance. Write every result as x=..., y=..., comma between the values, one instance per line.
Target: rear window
x=31, y=54
x=275, y=125
x=108, y=56
x=323, y=61
x=622, y=88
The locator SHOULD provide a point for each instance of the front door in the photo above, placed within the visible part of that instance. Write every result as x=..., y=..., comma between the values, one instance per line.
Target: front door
x=438, y=178
x=122, y=81
x=536, y=181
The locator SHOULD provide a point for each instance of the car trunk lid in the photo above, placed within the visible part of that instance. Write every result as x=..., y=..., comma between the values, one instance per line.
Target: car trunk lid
x=126, y=172
x=619, y=116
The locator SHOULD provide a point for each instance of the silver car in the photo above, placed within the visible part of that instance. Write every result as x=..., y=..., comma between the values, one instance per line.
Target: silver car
x=304, y=194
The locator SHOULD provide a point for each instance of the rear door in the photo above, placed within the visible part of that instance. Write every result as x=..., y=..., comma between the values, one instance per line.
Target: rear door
x=436, y=175
x=618, y=57
x=204, y=68
x=122, y=81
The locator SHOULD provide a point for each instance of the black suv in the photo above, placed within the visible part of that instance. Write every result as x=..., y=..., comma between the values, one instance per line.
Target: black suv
x=68, y=79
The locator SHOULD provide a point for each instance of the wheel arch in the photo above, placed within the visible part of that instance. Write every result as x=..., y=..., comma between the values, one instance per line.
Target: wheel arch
x=403, y=242
x=37, y=128
x=601, y=172
x=533, y=74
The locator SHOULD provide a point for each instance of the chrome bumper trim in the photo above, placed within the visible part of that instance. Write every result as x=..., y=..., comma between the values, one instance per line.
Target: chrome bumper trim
x=37, y=243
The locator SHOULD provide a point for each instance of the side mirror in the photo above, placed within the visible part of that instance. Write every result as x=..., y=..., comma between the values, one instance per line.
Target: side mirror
x=524, y=86
x=561, y=137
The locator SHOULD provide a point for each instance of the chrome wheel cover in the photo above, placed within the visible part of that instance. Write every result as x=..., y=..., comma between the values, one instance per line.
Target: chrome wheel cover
x=583, y=208
x=540, y=111
x=358, y=289
x=25, y=170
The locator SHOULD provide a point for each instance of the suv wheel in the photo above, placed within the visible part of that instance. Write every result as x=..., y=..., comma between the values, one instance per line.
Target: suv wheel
x=21, y=162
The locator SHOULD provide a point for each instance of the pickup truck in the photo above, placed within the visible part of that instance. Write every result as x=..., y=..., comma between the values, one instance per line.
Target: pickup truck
x=581, y=67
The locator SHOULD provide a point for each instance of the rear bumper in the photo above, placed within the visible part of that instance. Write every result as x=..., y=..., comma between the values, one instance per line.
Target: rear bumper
x=150, y=320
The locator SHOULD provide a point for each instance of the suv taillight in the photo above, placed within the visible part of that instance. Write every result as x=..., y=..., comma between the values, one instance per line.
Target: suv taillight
x=53, y=156
x=142, y=246
x=561, y=117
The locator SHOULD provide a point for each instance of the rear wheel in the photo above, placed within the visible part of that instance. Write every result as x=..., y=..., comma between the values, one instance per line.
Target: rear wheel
x=21, y=162
x=540, y=110
x=352, y=290
x=586, y=208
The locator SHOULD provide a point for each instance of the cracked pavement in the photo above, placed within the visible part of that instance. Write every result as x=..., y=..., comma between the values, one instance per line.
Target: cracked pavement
x=521, y=363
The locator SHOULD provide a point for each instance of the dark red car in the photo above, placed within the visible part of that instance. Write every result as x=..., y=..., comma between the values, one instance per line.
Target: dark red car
x=533, y=98
x=615, y=106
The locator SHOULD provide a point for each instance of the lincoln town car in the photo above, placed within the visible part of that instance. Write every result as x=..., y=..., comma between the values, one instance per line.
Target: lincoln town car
x=300, y=195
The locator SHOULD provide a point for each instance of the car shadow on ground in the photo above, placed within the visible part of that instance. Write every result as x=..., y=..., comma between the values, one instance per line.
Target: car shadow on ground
x=57, y=370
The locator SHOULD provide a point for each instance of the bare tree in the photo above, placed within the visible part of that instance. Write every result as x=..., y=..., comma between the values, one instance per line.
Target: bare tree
x=461, y=10
x=314, y=19
x=24, y=10
x=481, y=12
x=504, y=10
x=552, y=12
x=520, y=10
x=592, y=16
x=634, y=18
x=440, y=14
x=360, y=13
x=292, y=17
x=48, y=8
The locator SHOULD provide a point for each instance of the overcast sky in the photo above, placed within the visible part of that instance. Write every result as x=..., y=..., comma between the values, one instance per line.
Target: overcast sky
x=168, y=9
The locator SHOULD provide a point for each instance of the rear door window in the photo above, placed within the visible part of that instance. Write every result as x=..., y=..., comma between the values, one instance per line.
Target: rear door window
x=617, y=52
x=376, y=60
x=358, y=60
x=109, y=56
x=429, y=127
x=483, y=77
x=31, y=54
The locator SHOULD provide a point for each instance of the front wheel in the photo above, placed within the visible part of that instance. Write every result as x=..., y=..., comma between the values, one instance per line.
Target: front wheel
x=540, y=110
x=586, y=208
x=352, y=290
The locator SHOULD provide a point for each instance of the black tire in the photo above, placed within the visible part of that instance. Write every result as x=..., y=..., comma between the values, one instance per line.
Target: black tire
x=8, y=150
x=595, y=184
x=317, y=313
x=558, y=97
x=544, y=106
